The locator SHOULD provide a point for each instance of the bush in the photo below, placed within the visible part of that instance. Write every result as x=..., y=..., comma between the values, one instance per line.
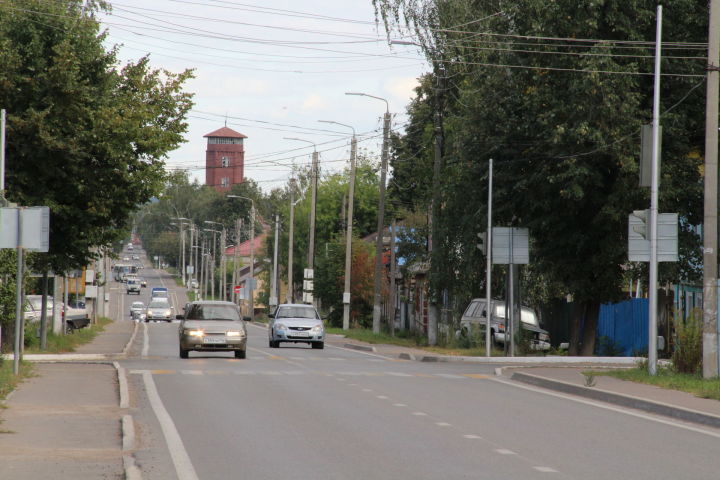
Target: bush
x=687, y=354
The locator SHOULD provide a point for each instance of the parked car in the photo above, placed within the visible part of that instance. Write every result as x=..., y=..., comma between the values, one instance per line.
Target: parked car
x=159, y=309
x=212, y=326
x=132, y=286
x=136, y=257
x=137, y=307
x=192, y=283
x=292, y=322
x=33, y=307
x=474, y=320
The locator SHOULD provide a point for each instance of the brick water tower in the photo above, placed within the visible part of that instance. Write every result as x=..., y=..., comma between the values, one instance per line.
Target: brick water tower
x=224, y=159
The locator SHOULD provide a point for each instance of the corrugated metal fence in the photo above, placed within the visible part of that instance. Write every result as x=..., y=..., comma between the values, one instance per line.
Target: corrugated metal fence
x=624, y=326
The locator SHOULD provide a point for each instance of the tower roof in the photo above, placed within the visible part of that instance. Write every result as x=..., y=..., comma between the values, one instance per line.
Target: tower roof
x=226, y=133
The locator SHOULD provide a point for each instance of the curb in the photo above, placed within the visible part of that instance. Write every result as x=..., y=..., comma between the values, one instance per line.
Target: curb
x=628, y=401
x=532, y=360
x=363, y=348
x=132, y=339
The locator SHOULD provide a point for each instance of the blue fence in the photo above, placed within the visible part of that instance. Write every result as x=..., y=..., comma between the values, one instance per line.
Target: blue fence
x=625, y=324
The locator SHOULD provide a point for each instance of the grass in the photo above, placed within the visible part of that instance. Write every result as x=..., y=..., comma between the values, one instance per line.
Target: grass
x=8, y=381
x=669, y=379
x=367, y=335
x=66, y=343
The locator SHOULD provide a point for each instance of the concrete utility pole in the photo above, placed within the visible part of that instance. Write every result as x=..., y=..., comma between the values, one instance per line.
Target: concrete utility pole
x=251, y=282
x=710, y=225
x=654, y=187
x=488, y=265
x=274, y=285
x=348, y=233
x=377, y=296
x=290, y=293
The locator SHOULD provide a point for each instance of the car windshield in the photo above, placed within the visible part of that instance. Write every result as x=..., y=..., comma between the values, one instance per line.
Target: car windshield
x=138, y=305
x=295, y=312
x=36, y=303
x=526, y=315
x=213, y=312
x=159, y=305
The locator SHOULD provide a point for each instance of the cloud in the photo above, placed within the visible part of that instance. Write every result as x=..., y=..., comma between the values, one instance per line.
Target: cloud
x=313, y=102
x=402, y=87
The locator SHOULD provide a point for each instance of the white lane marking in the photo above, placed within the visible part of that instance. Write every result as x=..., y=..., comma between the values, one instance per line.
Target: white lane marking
x=504, y=451
x=382, y=397
x=545, y=469
x=191, y=372
x=367, y=390
x=352, y=384
x=443, y=424
x=611, y=408
x=146, y=340
x=471, y=437
x=398, y=374
x=399, y=405
x=183, y=466
x=242, y=372
x=420, y=414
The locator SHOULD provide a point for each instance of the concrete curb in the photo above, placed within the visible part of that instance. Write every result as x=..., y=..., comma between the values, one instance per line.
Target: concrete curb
x=122, y=386
x=68, y=357
x=628, y=401
x=132, y=339
x=363, y=348
x=532, y=360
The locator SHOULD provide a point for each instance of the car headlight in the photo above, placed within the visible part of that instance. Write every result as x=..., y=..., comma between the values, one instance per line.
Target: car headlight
x=195, y=333
x=280, y=326
x=234, y=333
x=317, y=329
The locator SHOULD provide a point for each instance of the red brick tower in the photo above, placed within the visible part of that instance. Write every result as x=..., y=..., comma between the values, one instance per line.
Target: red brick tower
x=224, y=159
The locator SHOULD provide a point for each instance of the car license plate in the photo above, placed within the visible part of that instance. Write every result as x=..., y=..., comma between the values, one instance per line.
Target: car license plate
x=214, y=340
x=299, y=334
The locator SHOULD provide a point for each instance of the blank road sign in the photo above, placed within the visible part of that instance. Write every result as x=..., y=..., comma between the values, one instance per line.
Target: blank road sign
x=667, y=241
x=503, y=238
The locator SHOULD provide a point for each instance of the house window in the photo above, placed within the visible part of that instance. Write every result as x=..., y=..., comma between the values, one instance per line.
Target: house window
x=225, y=162
x=225, y=182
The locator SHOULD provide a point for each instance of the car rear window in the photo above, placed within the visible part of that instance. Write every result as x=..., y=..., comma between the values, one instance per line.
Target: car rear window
x=213, y=312
x=159, y=305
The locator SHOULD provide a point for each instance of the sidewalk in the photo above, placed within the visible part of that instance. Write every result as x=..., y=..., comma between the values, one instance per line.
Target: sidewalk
x=65, y=422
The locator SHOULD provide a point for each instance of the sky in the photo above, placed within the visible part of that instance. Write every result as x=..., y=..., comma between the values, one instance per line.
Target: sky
x=272, y=69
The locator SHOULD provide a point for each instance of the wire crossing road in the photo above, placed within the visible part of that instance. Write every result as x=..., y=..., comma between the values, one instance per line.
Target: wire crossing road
x=298, y=413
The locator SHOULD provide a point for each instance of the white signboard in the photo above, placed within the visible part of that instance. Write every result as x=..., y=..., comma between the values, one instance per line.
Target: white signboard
x=308, y=273
x=91, y=291
x=35, y=233
x=502, y=240
x=308, y=285
x=89, y=276
x=667, y=241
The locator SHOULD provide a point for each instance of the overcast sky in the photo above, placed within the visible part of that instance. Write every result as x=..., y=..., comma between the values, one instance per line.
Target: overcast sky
x=273, y=68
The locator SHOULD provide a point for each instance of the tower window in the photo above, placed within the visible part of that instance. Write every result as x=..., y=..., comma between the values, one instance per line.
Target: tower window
x=225, y=182
x=225, y=161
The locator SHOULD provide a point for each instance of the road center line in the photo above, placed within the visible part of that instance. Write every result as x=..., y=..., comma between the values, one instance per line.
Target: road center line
x=183, y=466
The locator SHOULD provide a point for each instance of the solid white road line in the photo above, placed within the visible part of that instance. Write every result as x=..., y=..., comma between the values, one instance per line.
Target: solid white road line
x=146, y=341
x=183, y=466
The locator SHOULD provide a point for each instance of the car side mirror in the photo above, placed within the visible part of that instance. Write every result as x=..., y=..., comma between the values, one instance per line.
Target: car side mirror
x=179, y=317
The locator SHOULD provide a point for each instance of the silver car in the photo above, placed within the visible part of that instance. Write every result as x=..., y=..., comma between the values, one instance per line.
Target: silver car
x=159, y=309
x=212, y=326
x=137, y=308
x=295, y=323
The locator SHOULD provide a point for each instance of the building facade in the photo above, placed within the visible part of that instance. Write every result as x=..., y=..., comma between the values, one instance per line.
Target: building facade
x=224, y=159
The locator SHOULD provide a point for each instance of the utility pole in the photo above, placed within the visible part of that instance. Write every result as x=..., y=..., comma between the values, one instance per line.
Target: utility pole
x=710, y=225
x=393, y=272
x=348, y=233
x=313, y=208
x=377, y=296
x=488, y=265
x=252, y=261
x=223, y=273
x=290, y=294
x=274, y=284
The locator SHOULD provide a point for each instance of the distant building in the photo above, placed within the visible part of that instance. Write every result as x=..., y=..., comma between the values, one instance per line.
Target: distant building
x=224, y=159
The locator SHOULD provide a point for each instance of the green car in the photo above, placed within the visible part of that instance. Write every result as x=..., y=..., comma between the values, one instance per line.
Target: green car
x=212, y=326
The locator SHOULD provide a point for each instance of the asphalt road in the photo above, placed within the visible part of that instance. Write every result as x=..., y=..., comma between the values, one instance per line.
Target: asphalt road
x=298, y=413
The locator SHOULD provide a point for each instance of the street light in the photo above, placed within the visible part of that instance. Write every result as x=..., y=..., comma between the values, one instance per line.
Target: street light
x=251, y=283
x=313, y=206
x=381, y=210
x=348, y=234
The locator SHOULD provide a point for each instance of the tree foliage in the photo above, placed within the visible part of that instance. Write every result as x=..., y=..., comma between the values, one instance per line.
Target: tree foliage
x=86, y=136
x=561, y=120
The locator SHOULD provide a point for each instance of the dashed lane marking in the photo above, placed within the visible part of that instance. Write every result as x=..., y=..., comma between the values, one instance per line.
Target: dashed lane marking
x=504, y=451
x=545, y=469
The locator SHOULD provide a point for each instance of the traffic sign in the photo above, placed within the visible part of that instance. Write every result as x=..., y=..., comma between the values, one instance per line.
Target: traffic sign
x=237, y=288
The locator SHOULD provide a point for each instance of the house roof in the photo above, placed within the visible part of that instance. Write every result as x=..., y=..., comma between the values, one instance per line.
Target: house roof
x=244, y=248
x=226, y=132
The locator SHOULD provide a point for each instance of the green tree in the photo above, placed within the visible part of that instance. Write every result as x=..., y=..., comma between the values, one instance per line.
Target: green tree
x=86, y=136
x=561, y=121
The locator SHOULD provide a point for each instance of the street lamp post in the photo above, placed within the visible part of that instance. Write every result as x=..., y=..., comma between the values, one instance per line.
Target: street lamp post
x=181, y=223
x=348, y=233
x=251, y=283
x=381, y=212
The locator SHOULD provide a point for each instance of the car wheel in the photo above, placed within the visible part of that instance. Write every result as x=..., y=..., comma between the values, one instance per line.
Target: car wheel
x=318, y=345
x=240, y=353
x=183, y=353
